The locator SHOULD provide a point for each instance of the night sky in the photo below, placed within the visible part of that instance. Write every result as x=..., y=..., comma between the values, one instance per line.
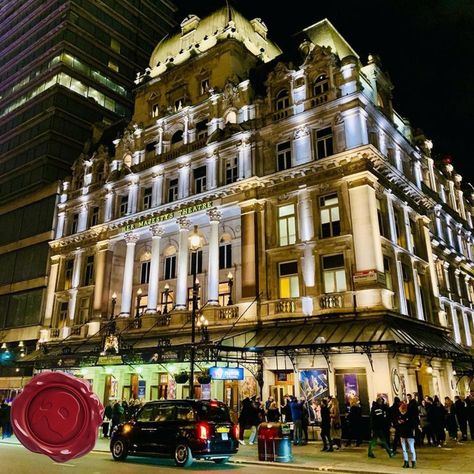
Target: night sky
x=425, y=46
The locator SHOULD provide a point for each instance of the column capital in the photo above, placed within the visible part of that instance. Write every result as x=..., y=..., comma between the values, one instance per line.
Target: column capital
x=131, y=238
x=100, y=246
x=78, y=251
x=214, y=215
x=157, y=176
x=184, y=223
x=157, y=230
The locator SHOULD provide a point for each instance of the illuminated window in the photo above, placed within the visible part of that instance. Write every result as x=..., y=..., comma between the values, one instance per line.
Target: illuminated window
x=173, y=190
x=147, y=195
x=178, y=104
x=408, y=289
x=282, y=100
x=387, y=268
x=155, y=110
x=381, y=219
x=123, y=208
x=94, y=220
x=195, y=262
x=199, y=179
x=287, y=224
x=231, y=170
x=204, y=86
x=224, y=293
x=89, y=273
x=63, y=315
x=145, y=272
x=115, y=45
x=324, y=143
x=330, y=219
x=190, y=298
x=69, y=267
x=334, y=273
x=284, y=156
x=288, y=279
x=321, y=85
x=113, y=65
x=74, y=223
x=84, y=310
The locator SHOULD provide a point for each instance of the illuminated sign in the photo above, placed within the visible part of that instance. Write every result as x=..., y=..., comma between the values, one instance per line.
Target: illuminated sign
x=226, y=373
x=167, y=216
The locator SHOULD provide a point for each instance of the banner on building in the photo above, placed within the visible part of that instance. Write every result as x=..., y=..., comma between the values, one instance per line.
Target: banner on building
x=313, y=383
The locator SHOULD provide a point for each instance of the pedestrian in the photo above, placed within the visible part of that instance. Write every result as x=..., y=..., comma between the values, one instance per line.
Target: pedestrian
x=470, y=413
x=412, y=401
x=407, y=422
x=305, y=420
x=393, y=413
x=118, y=414
x=379, y=420
x=286, y=410
x=461, y=416
x=107, y=420
x=5, y=409
x=254, y=419
x=244, y=418
x=354, y=421
x=336, y=426
x=268, y=403
x=296, y=407
x=439, y=421
x=273, y=414
x=326, y=426
x=451, y=423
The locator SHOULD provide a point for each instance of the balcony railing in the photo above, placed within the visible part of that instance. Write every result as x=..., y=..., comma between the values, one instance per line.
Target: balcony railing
x=54, y=333
x=228, y=312
x=285, y=306
x=281, y=114
x=77, y=331
x=331, y=301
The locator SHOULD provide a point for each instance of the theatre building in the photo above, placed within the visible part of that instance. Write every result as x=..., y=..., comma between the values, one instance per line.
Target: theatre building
x=332, y=254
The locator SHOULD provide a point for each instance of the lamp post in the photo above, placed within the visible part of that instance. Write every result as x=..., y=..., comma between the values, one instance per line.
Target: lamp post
x=195, y=243
x=167, y=292
x=112, y=314
x=202, y=324
x=137, y=322
x=230, y=282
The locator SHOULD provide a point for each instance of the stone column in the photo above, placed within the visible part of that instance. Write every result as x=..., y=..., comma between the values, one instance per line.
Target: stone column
x=416, y=282
x=132, y=198
x=466, y=328
x=183, y=259
x=391, y=216
x=60, y=225
x=308, y=265
x=244, y=165
x=109, y=199
x=408, y=234
x=82, y=222
x=213, y=269
x=131, y=239
x=249, y=257
x=159, y=146
x=455, y=321
x=211, y=171
x=186, y=129
x=51, y=291
x=157, y=190
x=306, y=232
x=76, y=281
x=183, y=180
x=302, y=146
x=401, y=287
x=100, y=272
x=417, y=172
x=156, y=232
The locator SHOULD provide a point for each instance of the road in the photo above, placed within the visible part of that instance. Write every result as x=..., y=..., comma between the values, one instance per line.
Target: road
x=15, y=459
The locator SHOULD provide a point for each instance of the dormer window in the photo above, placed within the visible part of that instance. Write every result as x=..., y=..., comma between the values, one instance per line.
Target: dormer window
x=282, y=101
x=204, y=86
x=178, y=104
x=321, y=85
x=155, y=111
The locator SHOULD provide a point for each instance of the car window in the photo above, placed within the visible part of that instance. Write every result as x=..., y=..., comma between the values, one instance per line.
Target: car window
x=185, y=413
x=146, y=413
x=164, y=413
x=213, y=412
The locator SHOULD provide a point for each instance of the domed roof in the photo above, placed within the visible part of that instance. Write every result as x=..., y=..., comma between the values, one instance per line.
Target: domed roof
x=201, y=34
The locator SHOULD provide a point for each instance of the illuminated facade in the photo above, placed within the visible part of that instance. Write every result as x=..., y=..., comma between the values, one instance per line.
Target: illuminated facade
x=66, y=65
x=332, y=245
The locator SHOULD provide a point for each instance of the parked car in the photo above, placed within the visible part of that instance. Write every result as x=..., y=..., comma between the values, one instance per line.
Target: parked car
x=182, y=430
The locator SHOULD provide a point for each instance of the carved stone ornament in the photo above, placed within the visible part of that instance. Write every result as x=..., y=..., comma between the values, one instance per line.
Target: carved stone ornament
x=184, y=223
x=214, y=215
x=301, y=132
x=230, y=94
x=131, y=238
x=280, y=73
x=157, y=230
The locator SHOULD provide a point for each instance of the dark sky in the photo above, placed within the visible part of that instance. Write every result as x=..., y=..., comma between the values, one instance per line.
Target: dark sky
x=425, y=46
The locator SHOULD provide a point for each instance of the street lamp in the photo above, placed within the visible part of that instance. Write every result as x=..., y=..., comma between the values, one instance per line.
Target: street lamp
x=112, y=314
x=230, y=282
x=167, y=292
x=195, y=243
x=202, y=324
x=137, y=322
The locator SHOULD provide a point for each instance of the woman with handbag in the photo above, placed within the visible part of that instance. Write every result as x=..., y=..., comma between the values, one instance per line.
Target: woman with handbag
x=336, y=427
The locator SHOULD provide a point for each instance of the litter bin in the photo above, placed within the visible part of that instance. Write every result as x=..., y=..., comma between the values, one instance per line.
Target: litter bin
x=274, y=443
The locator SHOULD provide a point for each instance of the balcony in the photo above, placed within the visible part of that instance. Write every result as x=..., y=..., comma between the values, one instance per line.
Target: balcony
x=331, y=301
x=318, y=100
x=54, y=333
x=78, y=331
x=228, y=312
x=281, y=114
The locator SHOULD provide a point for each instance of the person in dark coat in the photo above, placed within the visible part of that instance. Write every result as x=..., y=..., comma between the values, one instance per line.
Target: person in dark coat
x=245, y=418
x=379, y=419
x=273, y=414
x=407, y=422
x=470, y=413
x=438, y=416
x=296, y=408
x=118, y=414
x=305, y=421
x=451, y=423
x=326, y=426
x=394, y=413
x=5, y=410
x=461, y=416
x=107, y=420
x=286, y=410
x=354, y=421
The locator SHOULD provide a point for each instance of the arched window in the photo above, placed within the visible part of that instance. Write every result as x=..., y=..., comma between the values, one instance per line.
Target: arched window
x=177, y=137
x=282, y=100
x=321, y=85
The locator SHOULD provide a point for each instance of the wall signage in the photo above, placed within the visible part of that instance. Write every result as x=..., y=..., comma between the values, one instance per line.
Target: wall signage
x=185, y=211
x=368, y=277
x=226, y=373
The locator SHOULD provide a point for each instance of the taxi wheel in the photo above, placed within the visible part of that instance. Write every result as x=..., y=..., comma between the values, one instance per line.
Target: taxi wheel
x=221, y=460
x=119, y=450
x=182, y=455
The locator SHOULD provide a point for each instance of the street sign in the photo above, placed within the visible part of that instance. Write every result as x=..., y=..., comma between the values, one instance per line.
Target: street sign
x=226, y=373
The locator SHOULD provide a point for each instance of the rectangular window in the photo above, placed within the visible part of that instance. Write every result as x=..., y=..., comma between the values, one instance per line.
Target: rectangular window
x=94, y=216
x=173, y=190
x=398, y=229
x=167, y=300
x=231, y=171
x=190, y=298
x=284, y=156
x=84, y=305
x=69, y=266
x=147, y=192
x=381, y=219
x=407, y=289
x=330, y=218
x=89, y=274
x=204, y=86
x=178, y=104
x=113, y=65
x=196, y=262
x=114, y=45
x=225, y=256
x=288, y=280
x=324, y=143
x=145, y=272
x=224, y=293
x=123, y=207
x=287, y=224
x=199, y=179
x=75, y=223
x=155, y=111
x=201, y=129
x=170, y=267
x=63, y=314
x=334, y=273
x=413, y=235
x=387, y=268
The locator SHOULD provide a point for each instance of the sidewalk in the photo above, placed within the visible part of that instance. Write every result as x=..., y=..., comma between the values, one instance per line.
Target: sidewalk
x=458, y=458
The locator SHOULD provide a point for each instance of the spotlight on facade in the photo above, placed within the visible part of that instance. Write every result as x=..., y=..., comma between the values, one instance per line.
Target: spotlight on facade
x=429, y=369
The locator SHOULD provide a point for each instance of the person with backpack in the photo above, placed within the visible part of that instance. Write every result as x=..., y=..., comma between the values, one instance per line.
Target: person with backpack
x=379, y=420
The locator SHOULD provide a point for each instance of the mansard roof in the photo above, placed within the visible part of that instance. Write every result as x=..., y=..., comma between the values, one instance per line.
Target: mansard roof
x=197, y=35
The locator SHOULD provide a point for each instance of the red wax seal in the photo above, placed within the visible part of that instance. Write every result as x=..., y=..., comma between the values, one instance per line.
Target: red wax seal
x=58, y=415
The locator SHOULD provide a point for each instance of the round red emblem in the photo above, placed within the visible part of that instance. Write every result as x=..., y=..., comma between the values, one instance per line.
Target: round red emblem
x=58, y=415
